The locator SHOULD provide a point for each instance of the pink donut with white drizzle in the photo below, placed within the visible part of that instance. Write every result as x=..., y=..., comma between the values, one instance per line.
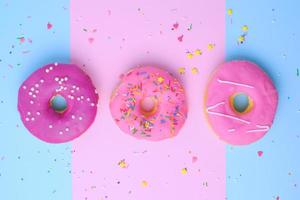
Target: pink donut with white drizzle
x=149, y=103
x=241, y=102
x=57, y=103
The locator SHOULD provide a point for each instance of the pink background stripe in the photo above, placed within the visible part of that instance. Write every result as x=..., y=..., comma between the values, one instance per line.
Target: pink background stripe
x=110, y=37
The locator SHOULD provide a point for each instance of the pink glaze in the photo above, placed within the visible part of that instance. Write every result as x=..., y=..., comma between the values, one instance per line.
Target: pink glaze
x=137, y=87
x=68, y=81
x=241, y=77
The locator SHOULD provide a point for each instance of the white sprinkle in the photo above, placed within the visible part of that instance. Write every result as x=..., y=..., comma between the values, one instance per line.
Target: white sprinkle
x=81, y=97
x=74, y=86
x=38, y=113
x=56, y=79
x=32, y=119
x=42, y=81
x=60, y=132
x=231, y=130
x=36, y=85
x=77, y=88
x=65, y=88
x=37, y=91
x=73, y=116
x=50, y=67
x=78, y=98
x=80, y=118
x=24, y=87
x=28, y=113
x=72, y=91
x=31, y=102
x=30, y=93
x=50, y=126
x=67, y=129
x=55, y=63
x=27, y=119
x=32, y=89
x=34, y=96
x=92, y=104
x=47, y=70
x=66, y=78
x=88, y=99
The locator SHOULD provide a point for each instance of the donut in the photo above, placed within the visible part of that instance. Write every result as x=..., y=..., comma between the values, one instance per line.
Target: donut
x=241, y=102
x=57, y=103
x=149, y=103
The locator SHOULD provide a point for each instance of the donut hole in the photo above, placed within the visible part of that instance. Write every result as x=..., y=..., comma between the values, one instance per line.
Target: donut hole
x=58, y=103
x=241, y=103
x=148, y=105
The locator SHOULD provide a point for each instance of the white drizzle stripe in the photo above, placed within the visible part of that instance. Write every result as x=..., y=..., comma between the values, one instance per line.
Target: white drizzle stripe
x=216, y=105
x=223, y=115
x=234, y=83
x=261, y=128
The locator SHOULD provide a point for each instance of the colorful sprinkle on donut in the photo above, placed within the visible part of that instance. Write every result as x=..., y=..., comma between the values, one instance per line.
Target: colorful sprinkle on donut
x=149, y=103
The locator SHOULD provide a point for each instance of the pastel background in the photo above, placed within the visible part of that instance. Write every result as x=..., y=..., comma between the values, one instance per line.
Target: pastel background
x=273, y=42
x=107, y=38
x=29, y=168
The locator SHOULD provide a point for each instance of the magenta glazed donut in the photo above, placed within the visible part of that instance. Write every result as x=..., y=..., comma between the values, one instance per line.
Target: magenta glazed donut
x=241, y=102
x=149, y=103
x=57, y=103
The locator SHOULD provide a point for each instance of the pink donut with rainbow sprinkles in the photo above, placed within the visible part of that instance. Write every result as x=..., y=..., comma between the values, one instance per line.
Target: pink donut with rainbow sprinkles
x=57, y=103
x=149, y=103
x=241, y=102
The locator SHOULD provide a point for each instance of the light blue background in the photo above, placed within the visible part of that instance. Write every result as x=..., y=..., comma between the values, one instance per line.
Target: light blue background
x=273, y=41
x=30, y=169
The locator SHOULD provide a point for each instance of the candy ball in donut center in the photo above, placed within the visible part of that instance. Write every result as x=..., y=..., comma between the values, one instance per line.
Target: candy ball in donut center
x=58, y=103
x=241, y=103
x=148, y=106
